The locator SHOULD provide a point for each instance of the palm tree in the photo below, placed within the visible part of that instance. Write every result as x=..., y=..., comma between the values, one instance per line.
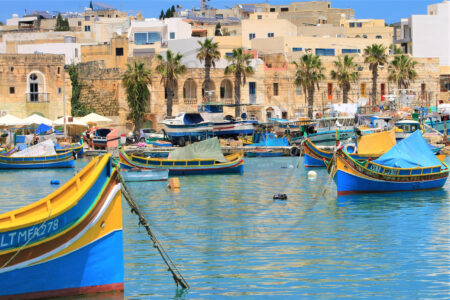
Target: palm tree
x=169, y=69
x=208, y=52
x=375, y=56
x=402, y=70
x=240, y=67
x=395, y=50
x=346, y=72
x=308, y=75
x=136, y=80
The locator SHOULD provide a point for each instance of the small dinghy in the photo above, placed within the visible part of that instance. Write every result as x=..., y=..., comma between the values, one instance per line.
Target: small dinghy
x=137, y=174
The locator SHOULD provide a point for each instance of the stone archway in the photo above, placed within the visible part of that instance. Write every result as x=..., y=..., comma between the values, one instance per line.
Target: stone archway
x=226, y=91
x=36, y=87
x=190, y=91
x=211, y=94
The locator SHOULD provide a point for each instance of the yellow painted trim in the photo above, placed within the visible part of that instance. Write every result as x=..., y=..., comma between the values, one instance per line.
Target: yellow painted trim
x=60, y=200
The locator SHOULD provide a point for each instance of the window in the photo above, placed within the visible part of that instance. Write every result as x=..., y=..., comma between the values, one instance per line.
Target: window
x=275, y=88
x=12, y=90
x=58, y=70
x=87, y=28
x=270, y=34
x=378, y=37
x=79, y=23
x=59, y=90
x=298, y=90
x=219, y=16
x=325, y=52
x=330, y=91
x=272, y=9
x=352, y=25
x=119, y=51
x=357, y=36
x=12, y=69
x=172, y=35
x=284, y=115
x=259, y=17
x=363, y=90
x=339, y=35
x=252, y=88
x=87, y=18
x=350, y=51
x=359, y=24
x=297, y=49
x=76, y=52
x=229, y=54
x=284, y=9
x=146, y=38
x=251, y=36
x=365, y=36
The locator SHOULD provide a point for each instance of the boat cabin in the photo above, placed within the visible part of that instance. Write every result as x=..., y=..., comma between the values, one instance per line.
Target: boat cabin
x=408, y=126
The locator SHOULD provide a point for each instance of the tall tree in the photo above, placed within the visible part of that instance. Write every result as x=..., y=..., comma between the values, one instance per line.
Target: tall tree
x=61, y=25
x=136, y=80
x=169, y=68
x=209, y=53
x=375, y=55
x=161, y=15
x=402, y=71
x=309, y=73
x=345, y=73
x=218, y=32
x=239, y=66
x=90, y=5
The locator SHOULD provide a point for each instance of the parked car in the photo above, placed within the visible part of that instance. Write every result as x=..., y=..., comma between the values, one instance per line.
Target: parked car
x=149, y=134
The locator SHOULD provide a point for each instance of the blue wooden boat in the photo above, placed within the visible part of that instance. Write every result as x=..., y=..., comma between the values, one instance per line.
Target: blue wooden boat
x=264, y=153
x=68, y=243
x=76, y=147
x=408, y=166
x=145, y=174
x=62, y=160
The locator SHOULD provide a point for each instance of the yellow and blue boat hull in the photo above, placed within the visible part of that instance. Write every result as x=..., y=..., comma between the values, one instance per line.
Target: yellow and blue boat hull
x=70, y=242
x=61, y=160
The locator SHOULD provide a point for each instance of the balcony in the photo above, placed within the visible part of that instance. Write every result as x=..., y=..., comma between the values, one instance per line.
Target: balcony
x=190, y=100
x=228, y=101
x=37, y=97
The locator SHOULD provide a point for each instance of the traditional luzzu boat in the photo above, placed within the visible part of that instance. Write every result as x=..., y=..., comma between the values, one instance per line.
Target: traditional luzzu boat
x=408, y=166
x=61, y=160
x=76, y=147
x=367, y=147
x=68, y=243
x=264, y=153
x=7, y=152
x=199, y=158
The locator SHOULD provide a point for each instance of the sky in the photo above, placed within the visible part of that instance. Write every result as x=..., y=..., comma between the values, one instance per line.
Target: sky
x=390, y=10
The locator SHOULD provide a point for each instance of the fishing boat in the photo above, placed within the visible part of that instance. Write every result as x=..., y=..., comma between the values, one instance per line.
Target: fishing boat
x=106, y=138
x=7, y=152
x=199, y=158
x=186, y=127
x=405, y=128
x=222, y=126
x=264, y=153
x=366, y=147
x=77, y=148
x=408, y=166
x=68, y=243
x=137, y=174
x=61, y=160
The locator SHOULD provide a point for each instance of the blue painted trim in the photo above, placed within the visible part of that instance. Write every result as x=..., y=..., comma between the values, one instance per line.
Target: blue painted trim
x=313, y=162
x=98, y=263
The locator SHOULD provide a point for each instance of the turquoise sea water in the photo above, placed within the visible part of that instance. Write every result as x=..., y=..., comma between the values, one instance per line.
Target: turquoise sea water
x=230, y=239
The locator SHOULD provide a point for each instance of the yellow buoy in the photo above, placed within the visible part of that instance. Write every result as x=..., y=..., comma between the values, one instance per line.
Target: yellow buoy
x=174, y=183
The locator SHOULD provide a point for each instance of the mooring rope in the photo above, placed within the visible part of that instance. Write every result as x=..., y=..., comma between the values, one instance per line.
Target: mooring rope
x=176, y=274
x=26, y=243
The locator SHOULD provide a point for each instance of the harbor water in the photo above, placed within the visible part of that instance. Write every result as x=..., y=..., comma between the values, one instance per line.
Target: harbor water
x=230, y=238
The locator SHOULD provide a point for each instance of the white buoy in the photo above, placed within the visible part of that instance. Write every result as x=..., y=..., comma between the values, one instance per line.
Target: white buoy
x=312, y=175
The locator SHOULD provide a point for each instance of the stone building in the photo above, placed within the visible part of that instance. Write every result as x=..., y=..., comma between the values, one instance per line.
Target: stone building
x=33, y=83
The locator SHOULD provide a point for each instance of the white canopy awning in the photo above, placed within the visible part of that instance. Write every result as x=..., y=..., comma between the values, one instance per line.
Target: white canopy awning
x=70, y=121
x=11, y=121
x=94, y=118
x=36, y=119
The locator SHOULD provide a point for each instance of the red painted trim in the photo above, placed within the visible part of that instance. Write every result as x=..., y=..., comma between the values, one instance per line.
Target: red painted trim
x=114, y=287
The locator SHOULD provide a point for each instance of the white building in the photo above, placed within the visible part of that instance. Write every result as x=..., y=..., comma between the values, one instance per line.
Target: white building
x=426, y=35
x=72, y=51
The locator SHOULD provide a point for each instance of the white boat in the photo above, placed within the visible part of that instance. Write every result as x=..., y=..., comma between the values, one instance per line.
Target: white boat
x=407, y=127
x=145, y=175
x=185, y=127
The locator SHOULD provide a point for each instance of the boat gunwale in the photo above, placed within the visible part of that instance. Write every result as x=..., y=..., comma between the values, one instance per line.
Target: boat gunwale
x=90, y=172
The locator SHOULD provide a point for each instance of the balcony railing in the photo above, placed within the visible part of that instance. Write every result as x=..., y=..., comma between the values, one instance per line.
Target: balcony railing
x=190, y=100
x=228, y=101
x=37, y=97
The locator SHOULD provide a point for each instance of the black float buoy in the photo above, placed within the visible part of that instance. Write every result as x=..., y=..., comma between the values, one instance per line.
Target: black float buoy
x=280, y=197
